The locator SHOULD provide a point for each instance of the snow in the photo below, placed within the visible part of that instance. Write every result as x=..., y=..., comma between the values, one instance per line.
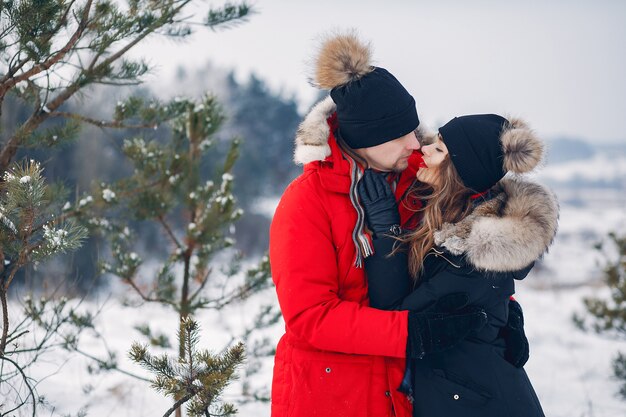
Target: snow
x=7, y=223
x=570, y=369
x=108, y=195
x=54, y=237
x=85, y=201
x=602, y=166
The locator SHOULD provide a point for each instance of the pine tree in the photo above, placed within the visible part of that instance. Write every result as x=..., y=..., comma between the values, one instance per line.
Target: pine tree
x=173, y=188
x=30, y=231
x=198, y=378
x=52, y=53
x=52, y=50
x=608, y=316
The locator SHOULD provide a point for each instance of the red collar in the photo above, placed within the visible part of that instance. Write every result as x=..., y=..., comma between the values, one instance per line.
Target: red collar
x=478, y=195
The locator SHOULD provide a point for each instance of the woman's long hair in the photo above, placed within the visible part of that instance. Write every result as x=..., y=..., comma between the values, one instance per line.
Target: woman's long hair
x=447, y=202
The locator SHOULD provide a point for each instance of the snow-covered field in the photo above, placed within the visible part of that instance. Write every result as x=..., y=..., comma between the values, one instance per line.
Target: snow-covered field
x=570, y=369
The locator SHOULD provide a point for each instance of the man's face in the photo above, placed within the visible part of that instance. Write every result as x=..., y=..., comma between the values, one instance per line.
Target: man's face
x=391, y=156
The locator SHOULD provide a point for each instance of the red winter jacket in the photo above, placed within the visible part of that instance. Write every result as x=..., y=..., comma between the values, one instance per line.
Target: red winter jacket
x=338, y=356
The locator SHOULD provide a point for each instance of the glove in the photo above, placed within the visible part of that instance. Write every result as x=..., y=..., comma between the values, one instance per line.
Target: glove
x=517, y=350
x=379, y=204
x=442, y=325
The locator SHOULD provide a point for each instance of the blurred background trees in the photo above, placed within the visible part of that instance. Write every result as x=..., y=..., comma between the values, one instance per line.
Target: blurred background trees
x=607, y=315
x=89, y=158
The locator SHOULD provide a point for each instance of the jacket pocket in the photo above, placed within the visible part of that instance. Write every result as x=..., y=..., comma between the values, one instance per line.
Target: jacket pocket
x=326, y=383
x=460, y=391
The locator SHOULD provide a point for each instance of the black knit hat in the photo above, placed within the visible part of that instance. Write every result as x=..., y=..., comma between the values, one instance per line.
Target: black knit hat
x=374, y=109
x=475, y=149
x=372, y=106
x=484, y=147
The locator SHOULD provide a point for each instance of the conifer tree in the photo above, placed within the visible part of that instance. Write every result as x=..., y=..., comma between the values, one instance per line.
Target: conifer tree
x=30, y=231
x=194, y=206
x=608, y=315
x=53, y=52
x=198, y=378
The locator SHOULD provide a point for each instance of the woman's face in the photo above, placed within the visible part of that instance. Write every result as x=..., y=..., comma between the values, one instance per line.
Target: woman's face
x=434, y=155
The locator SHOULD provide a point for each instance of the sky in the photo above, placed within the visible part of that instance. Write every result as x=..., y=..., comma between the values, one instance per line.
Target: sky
x=560, y=65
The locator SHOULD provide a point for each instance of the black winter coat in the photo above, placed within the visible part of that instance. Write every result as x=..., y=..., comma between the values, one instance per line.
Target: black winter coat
x=482, y=256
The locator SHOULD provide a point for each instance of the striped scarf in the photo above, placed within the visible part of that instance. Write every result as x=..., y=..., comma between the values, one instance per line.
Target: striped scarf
x=362, y=241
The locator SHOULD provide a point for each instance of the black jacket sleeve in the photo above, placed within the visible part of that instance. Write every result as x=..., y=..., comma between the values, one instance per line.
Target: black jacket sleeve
x=387, y=275
x=391, y=287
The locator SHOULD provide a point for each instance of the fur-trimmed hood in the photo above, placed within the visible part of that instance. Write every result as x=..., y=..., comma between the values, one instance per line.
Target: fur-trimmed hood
x=311, y=143
x=312, y=135
x=507, y=232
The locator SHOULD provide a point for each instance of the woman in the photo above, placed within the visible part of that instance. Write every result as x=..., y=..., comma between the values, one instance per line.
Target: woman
x=479, y=232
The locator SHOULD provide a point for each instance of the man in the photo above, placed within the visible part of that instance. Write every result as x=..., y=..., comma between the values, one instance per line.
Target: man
x=338, y=356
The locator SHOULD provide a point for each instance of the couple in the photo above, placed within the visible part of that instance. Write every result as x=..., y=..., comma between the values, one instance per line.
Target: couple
x=394, y=260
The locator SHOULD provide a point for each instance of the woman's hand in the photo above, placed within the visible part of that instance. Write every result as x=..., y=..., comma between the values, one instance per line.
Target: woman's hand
x=379, y=204
x=443, y=325
x=517, y=351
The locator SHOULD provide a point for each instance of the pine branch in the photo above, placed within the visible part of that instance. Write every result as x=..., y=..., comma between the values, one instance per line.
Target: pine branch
x=16, y=336
x=114, y=124
x=13, y=69
x=142, y=36
x=202, y=285
x=42, y=113
x=147, y=298
x=178, y=403
x=106, y=365
x=5, y=85
x=169, y=231
x=31, y=392
x=5, y=319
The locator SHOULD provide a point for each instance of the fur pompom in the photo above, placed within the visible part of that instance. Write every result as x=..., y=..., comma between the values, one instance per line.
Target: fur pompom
x=523, y=150
x=341, y=59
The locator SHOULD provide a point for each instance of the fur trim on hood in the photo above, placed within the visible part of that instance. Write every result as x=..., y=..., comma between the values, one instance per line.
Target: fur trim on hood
x=311, y=142
x=508, y=232
x=312, y=134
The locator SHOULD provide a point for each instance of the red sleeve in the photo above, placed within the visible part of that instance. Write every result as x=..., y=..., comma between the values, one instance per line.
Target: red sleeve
x=305, y=271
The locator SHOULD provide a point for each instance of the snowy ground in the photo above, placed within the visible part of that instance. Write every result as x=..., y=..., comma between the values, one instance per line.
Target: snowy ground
x=570, y=369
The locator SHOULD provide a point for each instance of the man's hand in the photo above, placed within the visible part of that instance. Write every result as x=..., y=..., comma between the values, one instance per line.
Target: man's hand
x=379, y=203
x=443, y=325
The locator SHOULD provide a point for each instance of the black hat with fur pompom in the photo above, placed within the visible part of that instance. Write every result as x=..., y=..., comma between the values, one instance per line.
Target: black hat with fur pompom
x=484, y=147
x=372, y=106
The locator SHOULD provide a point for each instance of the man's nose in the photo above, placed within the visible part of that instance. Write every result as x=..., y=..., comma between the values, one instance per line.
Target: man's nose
x=414, y=144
